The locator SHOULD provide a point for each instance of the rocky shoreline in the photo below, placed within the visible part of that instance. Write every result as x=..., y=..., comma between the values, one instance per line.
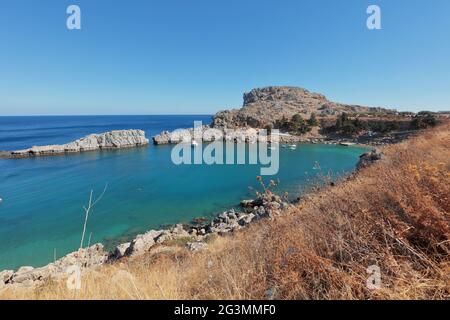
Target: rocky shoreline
x=117, y=139
x=194, y=235
x=238, y=135
x=252, y=135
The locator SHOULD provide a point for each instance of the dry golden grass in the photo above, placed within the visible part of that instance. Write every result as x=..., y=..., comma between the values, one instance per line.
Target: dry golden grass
x=394, y=214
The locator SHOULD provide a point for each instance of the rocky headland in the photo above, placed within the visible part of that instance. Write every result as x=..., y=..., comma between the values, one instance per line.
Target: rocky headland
x=264, y=106
x=275, y=108
x=117, y=139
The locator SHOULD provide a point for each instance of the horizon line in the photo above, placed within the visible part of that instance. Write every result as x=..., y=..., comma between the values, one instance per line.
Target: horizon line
x=106, y=115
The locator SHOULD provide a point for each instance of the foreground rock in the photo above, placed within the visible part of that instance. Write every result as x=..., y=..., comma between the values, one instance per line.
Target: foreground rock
x=29, y=276
x=369, y=158
x=117, y=139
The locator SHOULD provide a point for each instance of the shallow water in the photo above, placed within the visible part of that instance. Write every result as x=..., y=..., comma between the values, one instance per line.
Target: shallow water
x=43, y=197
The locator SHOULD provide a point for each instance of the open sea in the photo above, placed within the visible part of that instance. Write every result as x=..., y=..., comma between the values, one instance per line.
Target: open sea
x=43, y=198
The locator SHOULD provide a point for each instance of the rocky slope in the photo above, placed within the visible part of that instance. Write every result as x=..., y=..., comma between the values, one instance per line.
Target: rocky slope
x=109, y=140
x=266, y=105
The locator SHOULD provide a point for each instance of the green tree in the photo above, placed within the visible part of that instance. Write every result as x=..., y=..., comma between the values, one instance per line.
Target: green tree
x=298, y=124
x=312, y=121
x=341, y=121
x=282, y=124
x=348, y=126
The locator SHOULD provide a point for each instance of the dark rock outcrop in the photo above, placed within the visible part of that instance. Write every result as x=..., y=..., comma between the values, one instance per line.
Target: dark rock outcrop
x=369, y=158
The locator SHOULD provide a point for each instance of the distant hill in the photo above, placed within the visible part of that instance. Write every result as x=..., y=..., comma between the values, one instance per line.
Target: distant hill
x=264, y=106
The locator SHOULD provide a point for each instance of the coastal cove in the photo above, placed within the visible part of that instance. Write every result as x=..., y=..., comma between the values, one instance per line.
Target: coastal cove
x=42, y=213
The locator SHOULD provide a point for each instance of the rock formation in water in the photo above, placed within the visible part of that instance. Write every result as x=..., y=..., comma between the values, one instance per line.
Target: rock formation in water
x=208, y=134
x=264, y=106
x=117, y=139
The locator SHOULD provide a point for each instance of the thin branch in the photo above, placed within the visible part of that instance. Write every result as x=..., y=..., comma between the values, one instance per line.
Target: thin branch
x=89, y=241
x=101, y=195
x=88, y=210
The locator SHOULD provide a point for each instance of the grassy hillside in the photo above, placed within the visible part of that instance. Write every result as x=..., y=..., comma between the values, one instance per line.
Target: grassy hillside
x=394, y=214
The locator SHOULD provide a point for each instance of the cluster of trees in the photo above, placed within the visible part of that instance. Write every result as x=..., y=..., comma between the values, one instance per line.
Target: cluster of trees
x=423, y=120
x=352, y=125
x=349, y=126
x=346, y=125
x=297, y=124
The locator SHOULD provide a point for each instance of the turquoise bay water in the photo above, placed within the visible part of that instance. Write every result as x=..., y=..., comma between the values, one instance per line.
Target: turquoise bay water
x=43, y=197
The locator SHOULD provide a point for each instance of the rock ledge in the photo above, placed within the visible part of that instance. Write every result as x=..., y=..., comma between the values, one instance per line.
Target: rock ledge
x=117, y=139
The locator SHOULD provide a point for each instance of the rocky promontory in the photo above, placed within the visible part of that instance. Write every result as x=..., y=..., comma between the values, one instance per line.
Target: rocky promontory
x=264, y=106
x=299, y=116
x=117, y=139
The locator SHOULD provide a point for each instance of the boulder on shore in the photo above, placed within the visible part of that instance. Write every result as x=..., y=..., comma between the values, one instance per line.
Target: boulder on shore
x=369, y=158
x=28, y=276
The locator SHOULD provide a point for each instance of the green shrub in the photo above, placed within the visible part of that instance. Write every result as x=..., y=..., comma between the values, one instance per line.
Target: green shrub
x=423, y=120
x=312, y=121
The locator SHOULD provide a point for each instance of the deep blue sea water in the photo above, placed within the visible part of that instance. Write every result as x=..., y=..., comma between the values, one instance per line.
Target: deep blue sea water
x=43, y=197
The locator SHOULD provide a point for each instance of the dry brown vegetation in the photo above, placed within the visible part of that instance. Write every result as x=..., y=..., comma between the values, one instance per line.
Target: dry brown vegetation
x=394, y=214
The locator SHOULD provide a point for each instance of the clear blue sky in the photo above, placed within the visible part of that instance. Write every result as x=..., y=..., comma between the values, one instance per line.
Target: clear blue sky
x=199, y=56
